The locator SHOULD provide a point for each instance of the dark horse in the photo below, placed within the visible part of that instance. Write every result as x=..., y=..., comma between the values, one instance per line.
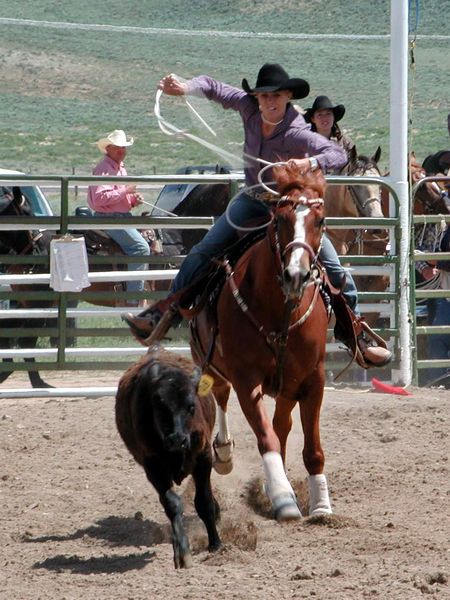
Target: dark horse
x=37, y=244
x=268, y=335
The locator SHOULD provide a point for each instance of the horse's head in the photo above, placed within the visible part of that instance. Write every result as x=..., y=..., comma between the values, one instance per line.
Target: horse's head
x=428, y=198
x=13, y=203
x=298, y=225
x=366, y=198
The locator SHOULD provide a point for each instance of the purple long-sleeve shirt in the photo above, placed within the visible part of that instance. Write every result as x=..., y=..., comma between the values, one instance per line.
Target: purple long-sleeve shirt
x=110, y=197
x=292, y=138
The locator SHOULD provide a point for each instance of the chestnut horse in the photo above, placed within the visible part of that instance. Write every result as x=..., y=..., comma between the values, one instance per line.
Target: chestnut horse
x=427, y=199
x=359, y=201
x=267, y=335
x=356, y=201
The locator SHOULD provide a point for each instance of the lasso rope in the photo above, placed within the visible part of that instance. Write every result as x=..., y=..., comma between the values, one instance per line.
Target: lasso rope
x=170, y=129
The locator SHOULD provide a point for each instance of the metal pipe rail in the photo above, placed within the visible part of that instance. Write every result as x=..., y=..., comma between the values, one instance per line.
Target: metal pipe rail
x=66, y=222
x=421, y=330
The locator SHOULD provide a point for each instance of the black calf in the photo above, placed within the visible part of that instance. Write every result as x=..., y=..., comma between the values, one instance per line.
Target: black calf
x=167, y=427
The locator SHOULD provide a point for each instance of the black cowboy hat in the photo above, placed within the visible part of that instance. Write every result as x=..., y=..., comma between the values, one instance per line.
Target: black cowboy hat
x=273, y=78
x=321, y=103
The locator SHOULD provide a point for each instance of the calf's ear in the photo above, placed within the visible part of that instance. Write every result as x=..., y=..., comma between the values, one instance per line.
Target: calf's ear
x=154, y=370
x=195, y=376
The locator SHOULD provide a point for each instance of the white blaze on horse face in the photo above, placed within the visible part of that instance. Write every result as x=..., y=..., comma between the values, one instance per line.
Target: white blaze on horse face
x=295, y=263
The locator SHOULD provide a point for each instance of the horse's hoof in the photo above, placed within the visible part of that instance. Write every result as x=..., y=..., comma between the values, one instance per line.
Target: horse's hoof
x=285, y=508
x=320, y=511
x=223, y=456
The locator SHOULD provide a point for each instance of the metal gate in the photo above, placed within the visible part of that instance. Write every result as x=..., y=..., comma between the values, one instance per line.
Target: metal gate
x=104, y=323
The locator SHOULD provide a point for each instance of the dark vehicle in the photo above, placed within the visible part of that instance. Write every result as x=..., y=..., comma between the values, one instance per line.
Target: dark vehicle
x=191, y=200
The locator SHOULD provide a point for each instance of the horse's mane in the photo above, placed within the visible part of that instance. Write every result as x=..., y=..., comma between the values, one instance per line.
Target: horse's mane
x=293, y=177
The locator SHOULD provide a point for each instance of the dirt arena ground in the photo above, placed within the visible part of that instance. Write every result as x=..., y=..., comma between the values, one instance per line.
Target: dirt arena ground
x=78, y=519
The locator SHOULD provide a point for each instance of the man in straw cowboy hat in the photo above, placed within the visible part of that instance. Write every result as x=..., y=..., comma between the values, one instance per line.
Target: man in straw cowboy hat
x=274, y=131
x=117, y=200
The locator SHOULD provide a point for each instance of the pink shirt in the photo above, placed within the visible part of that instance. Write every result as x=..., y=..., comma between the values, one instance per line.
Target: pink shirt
x=109, y=197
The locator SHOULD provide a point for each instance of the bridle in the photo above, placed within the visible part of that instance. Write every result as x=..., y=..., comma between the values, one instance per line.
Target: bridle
x=33, y=236
x=359, y=168
x=279, y=253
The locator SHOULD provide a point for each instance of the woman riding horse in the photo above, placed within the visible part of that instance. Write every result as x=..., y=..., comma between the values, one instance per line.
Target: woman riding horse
x=273, y=344
x=274, y=131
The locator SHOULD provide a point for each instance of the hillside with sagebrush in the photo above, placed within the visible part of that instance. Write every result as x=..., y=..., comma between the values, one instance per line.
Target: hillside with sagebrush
x=71, y=72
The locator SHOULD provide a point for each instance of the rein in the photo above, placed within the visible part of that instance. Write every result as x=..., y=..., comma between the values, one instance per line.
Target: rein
x=351, y=188
x=277, y=340
x=31, y=244
x=272, y=337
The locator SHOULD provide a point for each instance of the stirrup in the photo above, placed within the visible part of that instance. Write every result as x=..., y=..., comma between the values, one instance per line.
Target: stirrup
x=367, y=335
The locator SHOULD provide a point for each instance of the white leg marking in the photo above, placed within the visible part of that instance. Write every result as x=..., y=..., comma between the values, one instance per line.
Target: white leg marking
x=319, y=501
x=223, y=445
x=278, y=488
x=223, y=435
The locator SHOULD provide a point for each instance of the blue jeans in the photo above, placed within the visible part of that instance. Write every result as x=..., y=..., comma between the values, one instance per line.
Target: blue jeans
x=439, y=344
x=132, y=244
x=222, y=235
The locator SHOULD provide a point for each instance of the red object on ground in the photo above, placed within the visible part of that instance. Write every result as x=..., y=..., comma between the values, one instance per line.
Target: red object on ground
x=385, y=388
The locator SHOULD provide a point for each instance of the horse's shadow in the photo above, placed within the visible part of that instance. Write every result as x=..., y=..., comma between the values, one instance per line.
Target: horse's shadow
x=117, y=532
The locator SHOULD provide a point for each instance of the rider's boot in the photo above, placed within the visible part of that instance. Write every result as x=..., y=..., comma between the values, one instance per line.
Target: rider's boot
x=368, y=348
x=152, y=324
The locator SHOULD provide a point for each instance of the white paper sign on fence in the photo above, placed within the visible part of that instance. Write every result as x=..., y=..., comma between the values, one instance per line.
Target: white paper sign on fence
x=69, y=267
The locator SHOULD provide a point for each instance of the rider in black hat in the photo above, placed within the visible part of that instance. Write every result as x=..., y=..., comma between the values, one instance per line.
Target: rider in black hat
x=274, y=131
x=324, y=117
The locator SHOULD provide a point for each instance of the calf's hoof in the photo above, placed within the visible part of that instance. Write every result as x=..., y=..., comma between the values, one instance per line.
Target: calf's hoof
x=183, y=561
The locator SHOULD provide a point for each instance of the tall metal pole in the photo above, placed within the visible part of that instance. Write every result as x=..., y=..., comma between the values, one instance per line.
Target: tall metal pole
x=399, y=170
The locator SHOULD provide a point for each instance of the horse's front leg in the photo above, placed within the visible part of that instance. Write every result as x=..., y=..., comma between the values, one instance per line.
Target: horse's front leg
x=313, y=456
x=282, y=422
x=223, y=444
x=278, y=488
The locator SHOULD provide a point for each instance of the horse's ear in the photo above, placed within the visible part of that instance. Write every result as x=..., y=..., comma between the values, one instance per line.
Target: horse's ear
x=376, y=157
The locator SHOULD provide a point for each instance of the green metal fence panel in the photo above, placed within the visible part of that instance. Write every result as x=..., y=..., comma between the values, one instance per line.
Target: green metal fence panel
x=421, y=331
x=108, y=327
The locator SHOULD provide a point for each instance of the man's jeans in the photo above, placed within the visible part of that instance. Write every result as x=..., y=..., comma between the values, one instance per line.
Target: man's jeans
x=223, y=234
x=132, y=244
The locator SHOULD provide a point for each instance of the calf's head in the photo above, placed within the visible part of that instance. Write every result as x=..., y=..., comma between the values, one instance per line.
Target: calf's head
x=174, y=403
